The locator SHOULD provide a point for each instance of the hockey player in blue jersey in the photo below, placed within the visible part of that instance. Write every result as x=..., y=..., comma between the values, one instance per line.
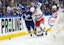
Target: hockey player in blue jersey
x=27, y=15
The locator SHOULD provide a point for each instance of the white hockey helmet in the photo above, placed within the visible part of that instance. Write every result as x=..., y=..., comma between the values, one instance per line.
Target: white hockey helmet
x=32, y=9
x=39, y=4
x=54, y=7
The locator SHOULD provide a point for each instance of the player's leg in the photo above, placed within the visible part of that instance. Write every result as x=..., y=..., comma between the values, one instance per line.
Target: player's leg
x=28, y=27
x=42, y=26
x=33, y=27
x=39, y=31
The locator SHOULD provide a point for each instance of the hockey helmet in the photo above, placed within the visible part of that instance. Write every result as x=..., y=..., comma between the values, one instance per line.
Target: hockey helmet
x=32, y=9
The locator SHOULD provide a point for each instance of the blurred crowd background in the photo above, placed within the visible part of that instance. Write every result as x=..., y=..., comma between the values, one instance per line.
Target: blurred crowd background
x=15, y=7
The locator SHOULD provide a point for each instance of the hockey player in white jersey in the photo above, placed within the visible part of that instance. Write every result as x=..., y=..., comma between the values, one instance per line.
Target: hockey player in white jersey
x=39, y=19
x=54, y=11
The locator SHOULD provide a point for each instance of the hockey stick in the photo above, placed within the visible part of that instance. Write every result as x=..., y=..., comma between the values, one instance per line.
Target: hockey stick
x=49, y=28
x=34, y=20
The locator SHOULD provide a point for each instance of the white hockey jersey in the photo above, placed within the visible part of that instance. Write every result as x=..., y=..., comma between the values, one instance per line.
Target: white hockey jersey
x=38, y=14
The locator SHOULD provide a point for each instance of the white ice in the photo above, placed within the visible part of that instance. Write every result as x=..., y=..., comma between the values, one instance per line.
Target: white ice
x=27, y=40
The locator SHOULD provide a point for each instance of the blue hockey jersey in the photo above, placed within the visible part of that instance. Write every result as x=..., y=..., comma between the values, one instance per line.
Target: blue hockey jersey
x=27, y=16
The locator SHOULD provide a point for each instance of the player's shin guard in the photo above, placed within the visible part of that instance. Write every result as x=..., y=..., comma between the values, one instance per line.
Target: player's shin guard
x=39, y=32
x=42, y=27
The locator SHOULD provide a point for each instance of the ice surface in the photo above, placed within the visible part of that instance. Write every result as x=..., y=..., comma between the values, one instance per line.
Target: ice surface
x=27, y=40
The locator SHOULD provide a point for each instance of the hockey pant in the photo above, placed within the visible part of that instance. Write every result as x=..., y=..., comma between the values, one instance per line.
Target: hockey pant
x=29, y=25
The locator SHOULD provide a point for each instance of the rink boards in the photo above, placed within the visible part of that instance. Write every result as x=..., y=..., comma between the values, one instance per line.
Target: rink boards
x=13, y=27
